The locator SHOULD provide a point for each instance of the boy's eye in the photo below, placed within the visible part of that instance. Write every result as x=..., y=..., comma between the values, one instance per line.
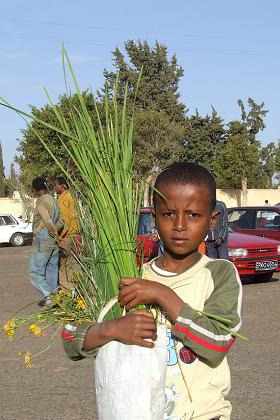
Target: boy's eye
x=193, y=215
x=169, y=214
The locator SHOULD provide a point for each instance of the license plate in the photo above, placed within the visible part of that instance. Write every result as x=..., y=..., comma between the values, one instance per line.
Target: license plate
x=266, y=265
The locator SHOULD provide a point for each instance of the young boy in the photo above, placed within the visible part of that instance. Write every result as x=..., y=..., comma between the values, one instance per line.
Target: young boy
x=183, y=282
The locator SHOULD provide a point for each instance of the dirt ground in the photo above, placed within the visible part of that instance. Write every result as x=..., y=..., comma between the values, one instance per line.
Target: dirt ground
x=56, y=388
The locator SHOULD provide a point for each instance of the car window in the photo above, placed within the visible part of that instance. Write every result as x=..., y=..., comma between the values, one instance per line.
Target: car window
x=8, y=220
x=2, y=221
x=268, y=219
x=242, y=219
x=146, y=224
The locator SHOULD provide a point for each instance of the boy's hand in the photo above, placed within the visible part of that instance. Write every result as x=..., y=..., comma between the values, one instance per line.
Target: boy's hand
x=135, y=328
x=136, y=292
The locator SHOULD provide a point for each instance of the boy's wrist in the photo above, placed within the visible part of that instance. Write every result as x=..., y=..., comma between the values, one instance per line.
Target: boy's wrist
x=98, y=335
x=170, y=302
x=108, y=331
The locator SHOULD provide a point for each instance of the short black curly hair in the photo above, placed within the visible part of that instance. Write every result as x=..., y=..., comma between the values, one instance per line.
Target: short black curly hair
x=39, y=183
x=182, y=173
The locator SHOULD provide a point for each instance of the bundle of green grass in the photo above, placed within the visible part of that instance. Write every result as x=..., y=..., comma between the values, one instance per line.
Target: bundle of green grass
x=109, y=201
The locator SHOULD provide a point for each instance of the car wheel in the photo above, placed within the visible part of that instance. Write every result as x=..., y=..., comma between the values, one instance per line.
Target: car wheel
x=17, y=239
x=265, y=277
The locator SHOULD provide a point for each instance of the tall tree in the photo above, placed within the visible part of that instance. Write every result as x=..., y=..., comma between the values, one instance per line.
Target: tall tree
x=253, y=120
x=11, y=182
x=159, y=114
x=157, y=144
x=2, y=175
x=33, y=158
x=13, y=175
x=277, y=160
x=160, y=77
x=238, y=162
x=238, y=159
x=267, y=165
x=203, y=137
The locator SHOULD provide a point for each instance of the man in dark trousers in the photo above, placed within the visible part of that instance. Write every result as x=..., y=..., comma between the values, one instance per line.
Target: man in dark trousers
x=217, y=246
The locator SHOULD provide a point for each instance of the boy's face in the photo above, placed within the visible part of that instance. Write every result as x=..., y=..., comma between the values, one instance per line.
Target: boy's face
x=184, y=217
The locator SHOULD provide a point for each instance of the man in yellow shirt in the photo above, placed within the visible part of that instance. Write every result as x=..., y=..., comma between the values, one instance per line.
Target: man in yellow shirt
x=68, y=233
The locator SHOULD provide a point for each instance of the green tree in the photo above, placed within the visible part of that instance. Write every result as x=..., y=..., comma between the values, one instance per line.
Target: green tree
x=267, y=165
x=13, y=175
x=157, y=142
x=238, y=163
x=237, y=160
x=253, y=120
x=159, y=114
x=11, y=182
x=159, y=82
x=33, y=159
x=203, y=137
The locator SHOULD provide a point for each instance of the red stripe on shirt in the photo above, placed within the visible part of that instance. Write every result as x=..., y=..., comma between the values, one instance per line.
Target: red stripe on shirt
x=203, y=342
x=67, y=336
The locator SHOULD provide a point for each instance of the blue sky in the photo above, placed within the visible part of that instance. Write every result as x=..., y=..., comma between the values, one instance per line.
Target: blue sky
x=228, y=50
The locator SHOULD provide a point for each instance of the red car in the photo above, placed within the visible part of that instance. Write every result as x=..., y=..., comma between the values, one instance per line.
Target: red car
x=257, y=220
x=252, y=255
x=145, y=237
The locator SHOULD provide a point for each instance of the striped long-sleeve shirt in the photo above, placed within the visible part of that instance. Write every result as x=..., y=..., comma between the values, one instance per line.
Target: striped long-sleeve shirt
x=198, y=376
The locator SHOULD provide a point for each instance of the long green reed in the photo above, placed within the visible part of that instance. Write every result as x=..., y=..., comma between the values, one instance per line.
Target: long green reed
x=109, y=200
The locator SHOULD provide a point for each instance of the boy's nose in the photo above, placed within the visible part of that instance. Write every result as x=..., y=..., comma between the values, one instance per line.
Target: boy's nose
x=180, y=222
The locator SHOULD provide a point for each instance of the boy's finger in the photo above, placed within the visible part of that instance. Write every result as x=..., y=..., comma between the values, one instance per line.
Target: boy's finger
x=149, y=334
x=126, y=281
x=130, y=303
x=144, y=343
x=125, y=297
x=144, y=312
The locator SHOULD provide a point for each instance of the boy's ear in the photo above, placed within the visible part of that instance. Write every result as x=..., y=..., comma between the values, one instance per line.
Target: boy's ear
x=214, y=217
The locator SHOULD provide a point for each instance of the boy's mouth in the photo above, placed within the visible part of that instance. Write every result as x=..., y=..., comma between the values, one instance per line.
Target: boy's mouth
x=179, y=239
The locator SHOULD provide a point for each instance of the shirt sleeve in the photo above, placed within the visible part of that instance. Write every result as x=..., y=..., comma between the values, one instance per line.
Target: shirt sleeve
x=203, y=334
x=73, y=337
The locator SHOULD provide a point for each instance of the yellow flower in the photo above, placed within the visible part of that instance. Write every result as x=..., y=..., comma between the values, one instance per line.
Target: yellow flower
x=11, y=332
x=9, y=327
x=19, y=354
x=78, y=274
x=36, y=330
x=81, y=304
x=27, y=359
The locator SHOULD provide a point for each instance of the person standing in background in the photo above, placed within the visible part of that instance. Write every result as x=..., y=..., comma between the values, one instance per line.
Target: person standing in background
x=43, y=263
x=217, y=239
x=68, y=233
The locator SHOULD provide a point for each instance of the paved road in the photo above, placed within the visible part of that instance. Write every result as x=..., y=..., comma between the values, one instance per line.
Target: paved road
x=58, y=389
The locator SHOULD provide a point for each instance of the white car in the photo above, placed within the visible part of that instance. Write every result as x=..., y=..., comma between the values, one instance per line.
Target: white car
x=14, y=231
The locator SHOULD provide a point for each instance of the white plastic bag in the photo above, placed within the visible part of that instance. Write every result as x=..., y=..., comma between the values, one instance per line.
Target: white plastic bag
x=130, y=380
